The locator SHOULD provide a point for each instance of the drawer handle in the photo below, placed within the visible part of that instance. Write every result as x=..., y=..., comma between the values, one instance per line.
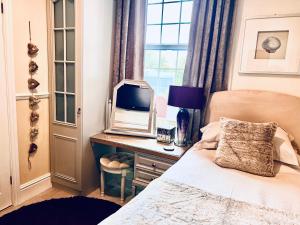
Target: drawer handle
x=153, y=165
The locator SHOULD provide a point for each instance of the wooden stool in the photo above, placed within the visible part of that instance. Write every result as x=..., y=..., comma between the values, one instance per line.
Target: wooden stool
x=115, y=163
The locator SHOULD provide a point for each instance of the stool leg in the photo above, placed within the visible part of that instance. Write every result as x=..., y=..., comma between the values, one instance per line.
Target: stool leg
x=133, y=191
x=102, y=183
x=123, y=186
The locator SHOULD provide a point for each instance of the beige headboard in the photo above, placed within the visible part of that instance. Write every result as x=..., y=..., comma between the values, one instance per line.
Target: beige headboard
x=257, y=106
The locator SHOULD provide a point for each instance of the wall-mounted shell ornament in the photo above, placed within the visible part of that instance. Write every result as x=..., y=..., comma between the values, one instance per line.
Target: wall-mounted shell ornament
x=33, y=101
x=33, y=132
x=32, y=84
x=271, y=44
x=32, y=49
x=33, y=67
x=34, y=117
x=32, y=148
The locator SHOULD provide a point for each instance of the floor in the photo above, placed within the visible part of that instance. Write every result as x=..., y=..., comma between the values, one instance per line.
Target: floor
x=57, y=192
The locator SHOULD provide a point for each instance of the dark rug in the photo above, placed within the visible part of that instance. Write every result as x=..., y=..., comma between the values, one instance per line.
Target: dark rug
x=64, y=211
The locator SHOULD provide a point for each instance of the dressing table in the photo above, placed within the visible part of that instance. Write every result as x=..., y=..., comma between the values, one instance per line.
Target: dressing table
x=151, y=160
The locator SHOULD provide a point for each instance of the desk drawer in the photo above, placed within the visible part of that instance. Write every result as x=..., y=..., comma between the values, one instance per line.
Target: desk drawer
x=154, y=164
x=144, y=176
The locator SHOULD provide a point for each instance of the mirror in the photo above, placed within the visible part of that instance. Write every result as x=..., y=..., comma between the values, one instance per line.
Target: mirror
x=132, y=109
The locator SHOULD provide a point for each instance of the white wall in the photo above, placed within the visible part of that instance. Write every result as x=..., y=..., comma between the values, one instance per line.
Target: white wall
x=96, y=70
x=289, y=84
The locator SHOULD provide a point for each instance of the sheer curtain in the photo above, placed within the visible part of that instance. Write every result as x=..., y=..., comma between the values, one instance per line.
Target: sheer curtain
x=128, y=58
x=207, y=51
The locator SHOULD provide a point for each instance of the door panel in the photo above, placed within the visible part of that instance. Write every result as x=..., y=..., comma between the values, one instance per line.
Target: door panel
x=65, y=91
x=64, y=150
x=5, y=186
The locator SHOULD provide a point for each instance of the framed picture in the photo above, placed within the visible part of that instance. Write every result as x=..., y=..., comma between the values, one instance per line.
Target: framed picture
x=271, y=45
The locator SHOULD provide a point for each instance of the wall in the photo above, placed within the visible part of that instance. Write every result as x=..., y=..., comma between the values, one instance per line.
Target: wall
x=278, y=83
x=34, y=11
x=96, y=70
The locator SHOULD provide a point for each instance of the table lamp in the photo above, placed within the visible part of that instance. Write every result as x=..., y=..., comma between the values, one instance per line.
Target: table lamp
x=185, y=98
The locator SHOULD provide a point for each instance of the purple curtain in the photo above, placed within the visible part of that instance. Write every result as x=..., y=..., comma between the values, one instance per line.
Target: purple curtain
x=128, y=59
x=207, y=51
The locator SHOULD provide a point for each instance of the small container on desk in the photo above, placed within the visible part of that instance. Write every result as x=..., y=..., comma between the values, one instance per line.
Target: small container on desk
x=166, y=134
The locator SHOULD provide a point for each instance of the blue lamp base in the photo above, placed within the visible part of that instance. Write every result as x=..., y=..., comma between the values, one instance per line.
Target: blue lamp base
x=183, y=119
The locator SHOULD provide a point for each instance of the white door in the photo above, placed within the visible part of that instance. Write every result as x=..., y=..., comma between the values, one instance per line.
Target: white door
x=5, y=186
x=65, y=105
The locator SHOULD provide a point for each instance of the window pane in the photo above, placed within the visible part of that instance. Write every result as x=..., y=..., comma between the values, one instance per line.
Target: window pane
x=59, y=77
x=151, y=76
x=171, y=13
x=154, y=1
x=184, y=33
x=153, y=34
x=70, y=108
x=58, y=14
x=154, y=13
x=186, y=12
x=60, y=107
x=168, y=59
x=170, y=34
x=70, y=45
x=151, y=59
x=70, y=77
x=59, y=45
x=181, y=59
x=166, y=78
x=179, y=77
x=70, y=13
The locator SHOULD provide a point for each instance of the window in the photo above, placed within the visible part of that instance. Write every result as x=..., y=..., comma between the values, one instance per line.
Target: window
x=167, y=36
x=64, y=61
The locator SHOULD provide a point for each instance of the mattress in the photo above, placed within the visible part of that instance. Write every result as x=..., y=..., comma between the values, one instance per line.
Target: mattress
x=197, y=173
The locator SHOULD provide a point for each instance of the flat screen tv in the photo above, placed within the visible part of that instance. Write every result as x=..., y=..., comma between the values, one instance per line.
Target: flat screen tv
x=133, y=97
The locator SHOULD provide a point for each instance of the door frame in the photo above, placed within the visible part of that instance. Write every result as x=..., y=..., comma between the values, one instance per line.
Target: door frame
x=11, y=99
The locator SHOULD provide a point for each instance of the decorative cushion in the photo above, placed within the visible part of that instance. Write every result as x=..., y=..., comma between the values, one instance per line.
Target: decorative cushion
x=119, y=160
x=246, y=146
x=284, y=150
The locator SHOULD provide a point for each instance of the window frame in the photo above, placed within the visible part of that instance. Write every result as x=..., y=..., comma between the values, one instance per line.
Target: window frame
x=64, y=29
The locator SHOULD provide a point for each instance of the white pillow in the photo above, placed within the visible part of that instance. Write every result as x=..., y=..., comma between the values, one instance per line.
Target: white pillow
x=211, y=132
x=283, y=149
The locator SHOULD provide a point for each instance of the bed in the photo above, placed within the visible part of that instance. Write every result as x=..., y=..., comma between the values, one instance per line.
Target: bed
x=197, y=191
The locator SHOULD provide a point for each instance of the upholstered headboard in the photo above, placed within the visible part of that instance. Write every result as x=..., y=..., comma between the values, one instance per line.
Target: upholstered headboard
x=257, y=106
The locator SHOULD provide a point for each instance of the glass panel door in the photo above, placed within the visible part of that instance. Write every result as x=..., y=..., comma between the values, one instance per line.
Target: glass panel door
x=64, y=61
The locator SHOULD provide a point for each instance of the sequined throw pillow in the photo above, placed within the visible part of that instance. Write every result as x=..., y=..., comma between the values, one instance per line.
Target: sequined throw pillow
x=246, y=146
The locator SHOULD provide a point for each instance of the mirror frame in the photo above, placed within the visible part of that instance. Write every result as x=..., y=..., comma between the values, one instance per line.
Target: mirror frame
x=150, y=131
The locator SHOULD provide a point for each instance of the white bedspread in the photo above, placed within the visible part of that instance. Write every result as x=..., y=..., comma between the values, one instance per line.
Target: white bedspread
x=200, y=175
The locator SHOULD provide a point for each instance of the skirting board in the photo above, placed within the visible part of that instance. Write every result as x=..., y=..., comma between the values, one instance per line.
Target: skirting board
x=34, y=187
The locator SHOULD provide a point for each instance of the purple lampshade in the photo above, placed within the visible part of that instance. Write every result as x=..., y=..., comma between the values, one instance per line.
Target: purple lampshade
x=186, y=97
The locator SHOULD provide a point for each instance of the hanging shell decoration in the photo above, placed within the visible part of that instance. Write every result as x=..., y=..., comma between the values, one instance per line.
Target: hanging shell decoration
x=32, y=148
x=33, y=132
x=33, y=67
x=34, y=117
x=33, y=101
x=32, y=49
x=32, y=83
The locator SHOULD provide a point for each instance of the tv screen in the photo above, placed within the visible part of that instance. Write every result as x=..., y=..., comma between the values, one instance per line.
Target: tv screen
x=133, y=97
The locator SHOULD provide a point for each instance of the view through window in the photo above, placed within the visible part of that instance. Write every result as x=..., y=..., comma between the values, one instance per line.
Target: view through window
x=167, y=36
